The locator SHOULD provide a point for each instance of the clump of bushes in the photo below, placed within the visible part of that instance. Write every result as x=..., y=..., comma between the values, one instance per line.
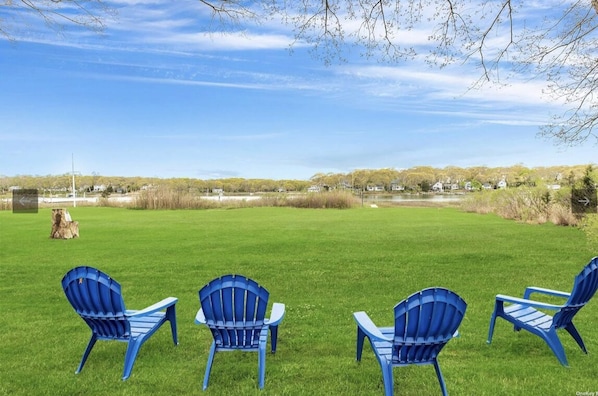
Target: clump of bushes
x=590, y=226
x=5, y=204
x=526, y=204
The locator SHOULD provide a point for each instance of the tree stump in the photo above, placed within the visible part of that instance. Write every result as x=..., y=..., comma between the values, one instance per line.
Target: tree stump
x=63, y=227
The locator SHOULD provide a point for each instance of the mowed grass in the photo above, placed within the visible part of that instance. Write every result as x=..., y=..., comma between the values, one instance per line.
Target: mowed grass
x=323, y=264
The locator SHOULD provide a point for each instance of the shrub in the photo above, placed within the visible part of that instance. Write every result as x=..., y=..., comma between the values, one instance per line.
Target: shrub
x=589, y=224
x=5, y=204
x=480, y=202
x=527, y=204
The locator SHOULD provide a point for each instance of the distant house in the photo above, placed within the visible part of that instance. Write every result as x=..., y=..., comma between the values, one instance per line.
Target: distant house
x=375, y=188
x=502, y=184
x=395, y=185
x=217, y=190
x=99, y=188
x=314, y=189
x=450, y=186
x=468, y=186
x=438, y=187
x=345, y=185
x=487, y=186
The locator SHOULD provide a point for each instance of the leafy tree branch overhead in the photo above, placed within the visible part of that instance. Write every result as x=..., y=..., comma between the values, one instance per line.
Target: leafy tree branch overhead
x=506, y=39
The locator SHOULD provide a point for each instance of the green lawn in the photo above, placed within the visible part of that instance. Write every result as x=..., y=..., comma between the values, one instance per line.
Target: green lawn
x=323, y=264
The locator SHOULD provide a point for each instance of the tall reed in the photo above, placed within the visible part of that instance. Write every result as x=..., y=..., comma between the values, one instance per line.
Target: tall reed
x=165, y=198
x=173, y=199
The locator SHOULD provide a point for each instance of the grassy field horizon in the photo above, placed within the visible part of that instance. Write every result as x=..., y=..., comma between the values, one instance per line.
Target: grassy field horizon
x=323, y=264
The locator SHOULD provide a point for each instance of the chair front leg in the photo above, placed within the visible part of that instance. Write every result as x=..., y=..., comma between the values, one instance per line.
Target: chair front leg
x=132, y=350
x=387, y=378
x=273, y=337
x=498, y=308
x=261, y=366
x=171, y=317
x=552, y=339
x=360, y=340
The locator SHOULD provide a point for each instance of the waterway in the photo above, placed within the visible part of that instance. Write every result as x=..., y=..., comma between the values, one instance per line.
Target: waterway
x=398, y=198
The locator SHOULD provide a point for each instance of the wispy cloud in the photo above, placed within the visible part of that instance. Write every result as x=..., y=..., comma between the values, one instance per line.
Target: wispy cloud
x=425, y=84
x=221, y=41
x=179, y=81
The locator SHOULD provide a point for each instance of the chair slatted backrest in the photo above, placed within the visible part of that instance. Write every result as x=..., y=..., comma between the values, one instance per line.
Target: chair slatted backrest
x=98, y=300
x=234, y=307
x=584, y=288
x=424, y=322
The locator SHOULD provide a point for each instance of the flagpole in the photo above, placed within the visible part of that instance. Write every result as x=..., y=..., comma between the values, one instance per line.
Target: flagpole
x=73, y=174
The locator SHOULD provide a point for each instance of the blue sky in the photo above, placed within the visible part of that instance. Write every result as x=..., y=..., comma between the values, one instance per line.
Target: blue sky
x=157, y=96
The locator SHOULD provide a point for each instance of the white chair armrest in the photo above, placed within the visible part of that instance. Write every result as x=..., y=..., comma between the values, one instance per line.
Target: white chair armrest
x=557, y=293
x=277, y=314
x=526, y=302
x=369, y=328
x=159, y=306
x=200, y=318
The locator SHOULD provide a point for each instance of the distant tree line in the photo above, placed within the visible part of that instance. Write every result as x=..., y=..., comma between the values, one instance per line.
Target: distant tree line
x=416, y=179
x=107, y=185
x=422, y=178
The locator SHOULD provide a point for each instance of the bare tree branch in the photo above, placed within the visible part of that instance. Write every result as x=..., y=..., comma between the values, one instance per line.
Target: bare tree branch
x=230, y=11
x=563, y=50
x=90, y=14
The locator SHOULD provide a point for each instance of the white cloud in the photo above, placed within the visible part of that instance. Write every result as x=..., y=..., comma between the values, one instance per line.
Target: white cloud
x=448, y=83
x=237, y=41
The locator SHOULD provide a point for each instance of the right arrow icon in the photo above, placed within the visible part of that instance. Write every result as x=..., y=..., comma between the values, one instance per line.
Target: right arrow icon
x=584, y=201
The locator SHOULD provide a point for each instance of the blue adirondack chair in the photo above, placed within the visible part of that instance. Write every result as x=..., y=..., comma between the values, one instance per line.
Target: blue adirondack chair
x=424, y=322
x=97, y=298
x=234, y=308
x=523, y=313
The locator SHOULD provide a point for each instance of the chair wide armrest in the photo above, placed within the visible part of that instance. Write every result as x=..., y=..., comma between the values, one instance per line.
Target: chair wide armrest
x=526, y=302
x=159, y=306
x=557, y=293
x=200, y=318
x=368, y=327
x=278, y=312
